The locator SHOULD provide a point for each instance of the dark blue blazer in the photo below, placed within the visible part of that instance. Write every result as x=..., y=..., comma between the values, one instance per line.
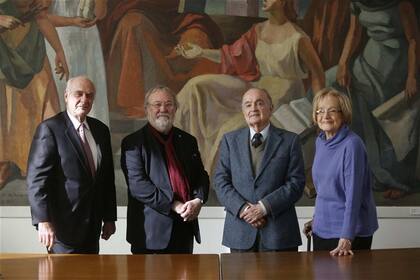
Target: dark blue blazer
x=61, y=189
x=279, y=184
x=150, y=196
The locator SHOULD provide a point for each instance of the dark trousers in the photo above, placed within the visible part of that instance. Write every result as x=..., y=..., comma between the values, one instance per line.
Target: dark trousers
x=359, y=243
x=259, y=247
x=181, y=242
x=91, y=247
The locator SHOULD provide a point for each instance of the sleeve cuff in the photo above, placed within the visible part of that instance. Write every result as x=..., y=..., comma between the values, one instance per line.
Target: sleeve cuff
x=263, y=207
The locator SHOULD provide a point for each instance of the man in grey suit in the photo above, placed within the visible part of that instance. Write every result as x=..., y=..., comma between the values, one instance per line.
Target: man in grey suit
x=258, y=178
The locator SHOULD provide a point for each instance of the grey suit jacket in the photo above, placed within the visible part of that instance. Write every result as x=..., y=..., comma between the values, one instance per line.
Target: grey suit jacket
x=278, y=184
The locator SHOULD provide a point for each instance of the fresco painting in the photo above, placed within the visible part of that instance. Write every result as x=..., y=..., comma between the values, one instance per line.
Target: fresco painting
x=369, y=50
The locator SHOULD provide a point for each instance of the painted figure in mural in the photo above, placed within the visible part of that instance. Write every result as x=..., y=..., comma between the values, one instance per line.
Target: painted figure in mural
x=274, y=55
x=27, y=91
x=167, y=183
x=70, y=178
x=324, y=22
x=80, y=39
x=345, y=212
x=385, y=68
x=138, y=37
x=258, y=179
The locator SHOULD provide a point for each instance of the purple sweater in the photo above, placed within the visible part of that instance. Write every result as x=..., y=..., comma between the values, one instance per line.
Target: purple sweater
x=344, y=206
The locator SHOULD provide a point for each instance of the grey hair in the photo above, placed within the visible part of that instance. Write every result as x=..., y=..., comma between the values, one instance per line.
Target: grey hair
x=73, y=79
x=261, y=90
x=160, y=88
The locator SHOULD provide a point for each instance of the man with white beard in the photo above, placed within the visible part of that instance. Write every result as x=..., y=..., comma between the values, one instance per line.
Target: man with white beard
x=167, y=183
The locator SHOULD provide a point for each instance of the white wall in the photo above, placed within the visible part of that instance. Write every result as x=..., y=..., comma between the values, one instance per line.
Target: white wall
x=399, y=227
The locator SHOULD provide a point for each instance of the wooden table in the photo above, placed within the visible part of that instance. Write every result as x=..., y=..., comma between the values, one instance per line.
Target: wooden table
x=398, y=264
x=28, y=266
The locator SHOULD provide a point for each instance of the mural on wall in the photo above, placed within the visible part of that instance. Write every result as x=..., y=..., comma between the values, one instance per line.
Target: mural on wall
x=366, y=49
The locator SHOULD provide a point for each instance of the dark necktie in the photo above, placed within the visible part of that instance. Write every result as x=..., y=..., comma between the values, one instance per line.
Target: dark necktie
x=256, y=140
x=86, y=149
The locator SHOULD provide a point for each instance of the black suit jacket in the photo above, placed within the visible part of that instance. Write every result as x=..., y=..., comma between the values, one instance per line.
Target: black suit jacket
x=150, y=196
x=61, y=189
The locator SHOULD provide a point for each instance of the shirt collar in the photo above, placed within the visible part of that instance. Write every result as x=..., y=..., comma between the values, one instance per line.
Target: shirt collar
x=76, y=122
x=264, y=132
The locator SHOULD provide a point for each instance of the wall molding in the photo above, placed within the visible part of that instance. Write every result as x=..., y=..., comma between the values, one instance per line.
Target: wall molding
x=213, y=212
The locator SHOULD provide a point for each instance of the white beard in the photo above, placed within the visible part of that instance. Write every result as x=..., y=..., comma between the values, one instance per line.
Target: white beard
x=163, y=124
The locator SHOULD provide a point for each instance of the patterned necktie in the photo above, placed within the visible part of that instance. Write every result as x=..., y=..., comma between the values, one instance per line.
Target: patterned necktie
x=256, y=140
x=86, y=149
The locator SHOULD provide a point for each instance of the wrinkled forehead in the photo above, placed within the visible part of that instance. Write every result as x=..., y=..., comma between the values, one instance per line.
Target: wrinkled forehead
x=255, y=95
x=160, y=96
x=81, y=85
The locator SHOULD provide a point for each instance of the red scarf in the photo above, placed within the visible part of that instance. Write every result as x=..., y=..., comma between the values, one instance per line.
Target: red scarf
x=177, y=178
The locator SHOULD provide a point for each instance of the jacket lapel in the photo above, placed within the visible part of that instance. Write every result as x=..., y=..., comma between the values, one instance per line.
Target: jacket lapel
x=242, y=142
x=271, y=146
x=74, y=140
x=158, y=159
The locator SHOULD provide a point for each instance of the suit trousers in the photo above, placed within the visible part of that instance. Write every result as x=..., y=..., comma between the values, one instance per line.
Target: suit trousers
x=181, y=242
x=258, y=246
x=87, y=248
x=359, y=243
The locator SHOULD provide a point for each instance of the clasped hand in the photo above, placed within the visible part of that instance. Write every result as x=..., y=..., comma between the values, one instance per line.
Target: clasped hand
x=189, y=210
x=254, y=215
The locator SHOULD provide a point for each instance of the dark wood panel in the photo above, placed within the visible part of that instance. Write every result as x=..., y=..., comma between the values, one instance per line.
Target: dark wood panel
x=375, y=264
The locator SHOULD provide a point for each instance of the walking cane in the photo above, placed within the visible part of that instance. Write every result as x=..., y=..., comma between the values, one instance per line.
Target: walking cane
x=308, y=244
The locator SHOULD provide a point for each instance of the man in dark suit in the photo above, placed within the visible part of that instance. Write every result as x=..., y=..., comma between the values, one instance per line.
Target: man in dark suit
x=167, y=183
x=71, y=176
x=258, y=179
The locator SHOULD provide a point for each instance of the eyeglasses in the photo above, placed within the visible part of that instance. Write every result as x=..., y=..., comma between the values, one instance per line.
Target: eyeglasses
x=331, y=111
x=158, y=105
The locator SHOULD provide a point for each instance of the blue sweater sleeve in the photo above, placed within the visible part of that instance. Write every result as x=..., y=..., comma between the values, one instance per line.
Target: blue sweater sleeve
x=355, y=161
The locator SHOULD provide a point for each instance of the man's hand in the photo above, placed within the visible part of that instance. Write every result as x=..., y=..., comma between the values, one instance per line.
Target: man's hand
x=192, y=209
x=46, y=234
x=252, y=213
x=178, y=207
x=259, y=223
x=108, y=229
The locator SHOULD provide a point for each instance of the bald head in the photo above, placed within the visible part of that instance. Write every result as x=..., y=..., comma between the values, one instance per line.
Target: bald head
x=257, y=108
x=79, y=96
x=75, y=81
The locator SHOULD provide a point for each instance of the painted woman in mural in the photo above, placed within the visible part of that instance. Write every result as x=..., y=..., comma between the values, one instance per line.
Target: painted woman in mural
x=27, y=91
x=384, y=68
x=138, y=37
x=275, y=55
x=76, y=27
